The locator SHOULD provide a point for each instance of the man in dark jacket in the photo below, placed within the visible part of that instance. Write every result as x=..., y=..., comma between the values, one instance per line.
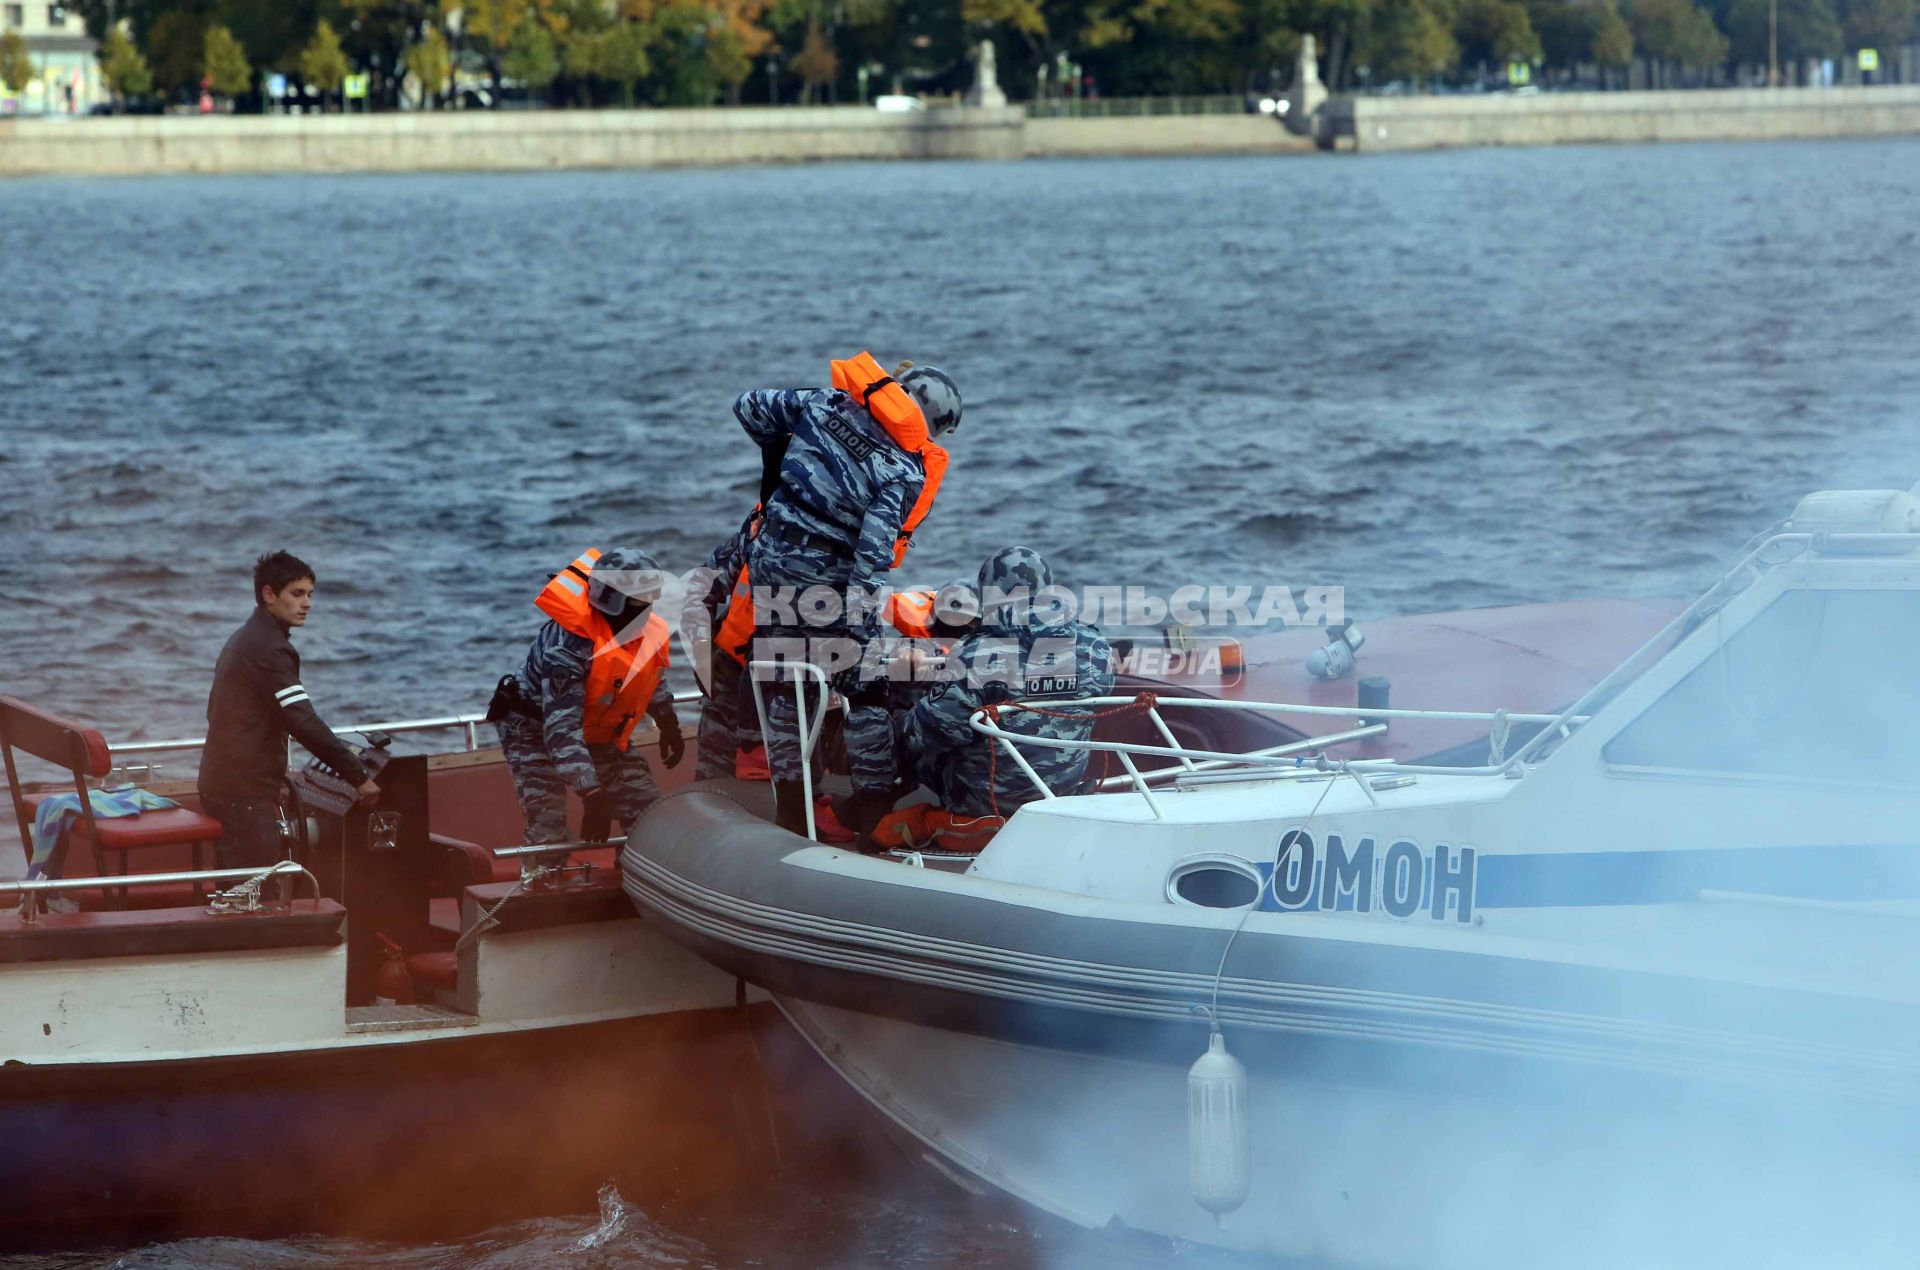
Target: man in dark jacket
x=256, y=703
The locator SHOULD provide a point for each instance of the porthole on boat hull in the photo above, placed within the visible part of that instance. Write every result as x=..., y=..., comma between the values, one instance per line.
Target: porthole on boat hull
x=1214, y=881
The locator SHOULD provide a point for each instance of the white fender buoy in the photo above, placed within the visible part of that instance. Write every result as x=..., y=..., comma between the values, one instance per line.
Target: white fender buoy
x=1219, y=1130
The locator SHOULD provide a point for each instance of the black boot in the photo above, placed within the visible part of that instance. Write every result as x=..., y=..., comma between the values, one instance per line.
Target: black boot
x=861, y=811
x=790, y=807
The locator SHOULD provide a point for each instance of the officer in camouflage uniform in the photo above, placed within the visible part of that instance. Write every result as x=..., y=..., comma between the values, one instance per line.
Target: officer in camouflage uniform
x=542, y=734
x=1019, y=653
x=843, y=492
x=722, y=732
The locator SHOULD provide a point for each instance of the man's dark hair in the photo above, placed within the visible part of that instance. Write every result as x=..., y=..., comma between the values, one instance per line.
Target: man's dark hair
x=279, y=569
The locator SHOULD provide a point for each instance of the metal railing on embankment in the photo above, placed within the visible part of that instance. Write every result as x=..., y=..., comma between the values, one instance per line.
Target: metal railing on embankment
x=1135, y=107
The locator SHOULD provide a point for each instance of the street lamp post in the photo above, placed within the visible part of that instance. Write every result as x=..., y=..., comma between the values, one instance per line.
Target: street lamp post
x=1773, y=43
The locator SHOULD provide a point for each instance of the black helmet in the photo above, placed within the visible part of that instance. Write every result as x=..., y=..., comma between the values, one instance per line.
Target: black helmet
x=939, y=400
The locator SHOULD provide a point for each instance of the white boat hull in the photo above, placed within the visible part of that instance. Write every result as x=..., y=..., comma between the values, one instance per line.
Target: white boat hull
x=1373, y=1174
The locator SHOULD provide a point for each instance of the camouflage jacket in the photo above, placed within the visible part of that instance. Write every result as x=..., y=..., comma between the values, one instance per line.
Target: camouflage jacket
x=555, y=676
x=723, y=565
x=842, y=479
x=1007, y=663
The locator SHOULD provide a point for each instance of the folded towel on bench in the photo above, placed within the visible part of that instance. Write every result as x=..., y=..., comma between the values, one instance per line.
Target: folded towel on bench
x=54, y=818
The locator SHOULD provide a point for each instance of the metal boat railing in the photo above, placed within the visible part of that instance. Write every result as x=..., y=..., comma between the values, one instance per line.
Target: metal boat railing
x=1276, y=762
x=1280, y=761
x=810, y=726
x=1190, y=767
x=251, y=878
x=469, y=722
x=1288, y=760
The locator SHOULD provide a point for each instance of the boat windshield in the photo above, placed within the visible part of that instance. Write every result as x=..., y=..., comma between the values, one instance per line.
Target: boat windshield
x=1820, y=683
x=1764, y=553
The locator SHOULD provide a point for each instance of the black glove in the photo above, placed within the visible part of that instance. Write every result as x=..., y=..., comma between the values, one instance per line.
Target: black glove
x=596, y=816
x=771, y=457
x=673, y=746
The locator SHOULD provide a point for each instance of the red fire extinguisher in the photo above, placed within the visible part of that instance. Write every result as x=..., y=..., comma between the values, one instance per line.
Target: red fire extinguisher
x=392, y=985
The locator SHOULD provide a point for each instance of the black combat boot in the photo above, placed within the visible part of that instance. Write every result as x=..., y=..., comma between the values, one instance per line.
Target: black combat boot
x=790, y=807
x=861, y=811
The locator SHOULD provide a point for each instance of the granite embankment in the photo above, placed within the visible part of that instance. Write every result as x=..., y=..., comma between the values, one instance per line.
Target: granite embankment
x=522, y=141
x=673, y=138
x=1505, y=119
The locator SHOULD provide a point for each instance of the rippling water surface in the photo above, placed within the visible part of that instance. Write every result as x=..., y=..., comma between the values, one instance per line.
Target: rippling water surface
x=1439, y=380
x=788, y=1227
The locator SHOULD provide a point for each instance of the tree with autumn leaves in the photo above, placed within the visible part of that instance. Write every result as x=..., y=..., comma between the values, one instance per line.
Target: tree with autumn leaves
x=593, y=52
x=701, y=52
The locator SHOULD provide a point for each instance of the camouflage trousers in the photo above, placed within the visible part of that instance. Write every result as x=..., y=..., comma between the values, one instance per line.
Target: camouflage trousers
x=543, y=793
x=727, y=721
x=869, y=731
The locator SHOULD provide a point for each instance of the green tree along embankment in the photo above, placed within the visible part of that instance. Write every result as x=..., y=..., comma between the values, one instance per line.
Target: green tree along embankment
x=16, y=66
x=697, y=52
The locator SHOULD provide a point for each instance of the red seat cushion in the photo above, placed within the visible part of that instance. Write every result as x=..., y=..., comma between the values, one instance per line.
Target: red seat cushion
x=148, y=829
x=434, y=969
x=154, y=829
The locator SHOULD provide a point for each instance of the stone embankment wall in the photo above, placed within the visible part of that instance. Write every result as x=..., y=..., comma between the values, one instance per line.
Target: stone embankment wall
x=523, y=141
x=1504, y=119
x=499, y=141
x=532, y=140
x=1159, y=134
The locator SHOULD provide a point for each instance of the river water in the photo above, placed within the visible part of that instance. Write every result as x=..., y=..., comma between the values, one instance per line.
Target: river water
x=1439, y=380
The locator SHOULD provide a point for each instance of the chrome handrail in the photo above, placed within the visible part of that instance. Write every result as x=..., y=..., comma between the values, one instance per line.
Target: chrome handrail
x=555, y=848
x=1750, y=565
x=34, y=887
x=809, y=731
x=115, y=883
x=1214, y=766
x=1287, y=757
x=471, y=722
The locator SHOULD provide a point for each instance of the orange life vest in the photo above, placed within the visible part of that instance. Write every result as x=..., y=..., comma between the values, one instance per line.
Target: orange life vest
x=923, y=827
x=622, y=678
x=911, y=613
x=861, y=378
x=736, y=628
